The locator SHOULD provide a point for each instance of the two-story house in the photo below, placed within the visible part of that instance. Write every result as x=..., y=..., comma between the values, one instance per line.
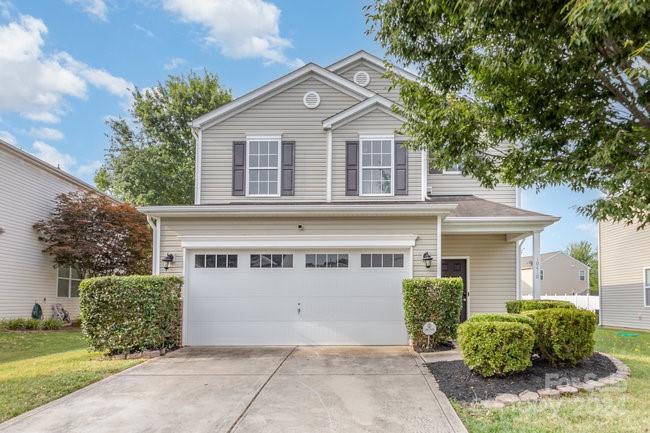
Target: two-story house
x=310, y=210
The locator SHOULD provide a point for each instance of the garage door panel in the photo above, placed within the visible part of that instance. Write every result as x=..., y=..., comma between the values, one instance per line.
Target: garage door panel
x=352, y=333
x=254, y=309
x=351, y=309
x=241, y=333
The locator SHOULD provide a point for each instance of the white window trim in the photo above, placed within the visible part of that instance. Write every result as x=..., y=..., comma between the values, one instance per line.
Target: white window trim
x=392, y=164
x=582, y=275
x=279, y=167
x=646, y=286
x=69, y=279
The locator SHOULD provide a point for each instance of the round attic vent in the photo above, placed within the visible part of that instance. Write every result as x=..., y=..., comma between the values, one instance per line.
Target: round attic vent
x=361, y=78
x=311, y=99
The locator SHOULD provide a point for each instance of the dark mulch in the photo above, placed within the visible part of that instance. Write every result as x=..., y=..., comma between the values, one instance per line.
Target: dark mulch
x=458, y=382
x=442, y=347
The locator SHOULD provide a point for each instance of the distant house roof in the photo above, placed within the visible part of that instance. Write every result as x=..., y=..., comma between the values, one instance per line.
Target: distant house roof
x=56, y=171
x=527, y=261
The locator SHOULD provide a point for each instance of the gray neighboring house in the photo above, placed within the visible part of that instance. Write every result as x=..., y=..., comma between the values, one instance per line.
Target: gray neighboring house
x=560, y=274
x=27, y=275
x=310, y=210
x=624, y=275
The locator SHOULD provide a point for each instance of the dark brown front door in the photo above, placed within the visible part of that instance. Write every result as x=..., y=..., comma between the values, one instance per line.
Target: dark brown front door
x=457, y=268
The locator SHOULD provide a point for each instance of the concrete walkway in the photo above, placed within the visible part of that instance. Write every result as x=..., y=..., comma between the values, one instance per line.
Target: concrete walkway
x=257, y=389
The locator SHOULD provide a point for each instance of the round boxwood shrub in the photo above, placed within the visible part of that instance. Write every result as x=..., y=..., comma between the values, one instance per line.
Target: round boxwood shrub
x=432, y=299
x=129, y=314
x=535, y=304
x=564, y=336
x=496, y=348
x=502, y=317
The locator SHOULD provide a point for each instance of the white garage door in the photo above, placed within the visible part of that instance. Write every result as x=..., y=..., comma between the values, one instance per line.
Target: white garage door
x=295, y=297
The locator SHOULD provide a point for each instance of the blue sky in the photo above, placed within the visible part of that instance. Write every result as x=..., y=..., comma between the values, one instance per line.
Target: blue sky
x=66, y=65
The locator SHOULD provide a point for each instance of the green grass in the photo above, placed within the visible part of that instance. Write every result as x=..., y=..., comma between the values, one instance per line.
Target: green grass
x=39, y=366
x=620, y=409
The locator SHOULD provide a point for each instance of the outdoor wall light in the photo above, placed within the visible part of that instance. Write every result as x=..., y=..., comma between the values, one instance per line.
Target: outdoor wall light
x=427, y=259
x=167, y=260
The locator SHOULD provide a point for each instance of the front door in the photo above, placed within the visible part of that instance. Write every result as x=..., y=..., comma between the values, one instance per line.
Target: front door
x=457, y=268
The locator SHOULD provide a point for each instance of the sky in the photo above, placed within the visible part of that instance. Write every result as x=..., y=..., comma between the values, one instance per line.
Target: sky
x=68, y=65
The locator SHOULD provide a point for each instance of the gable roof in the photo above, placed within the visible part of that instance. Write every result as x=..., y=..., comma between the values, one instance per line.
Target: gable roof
x=527, y=261
x=360, y=109
x=56, y=171
x=286, y=80
x=372, y=59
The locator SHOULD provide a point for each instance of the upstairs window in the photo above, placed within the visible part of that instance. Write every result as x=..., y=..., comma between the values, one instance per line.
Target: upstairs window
x=453, y=169
x=541, y=274
x=376, y=165
x=263, y=164
x=68, y=282
x=582, y=275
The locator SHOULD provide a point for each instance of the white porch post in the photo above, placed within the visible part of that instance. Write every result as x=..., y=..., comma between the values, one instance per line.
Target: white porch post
x=537, y=282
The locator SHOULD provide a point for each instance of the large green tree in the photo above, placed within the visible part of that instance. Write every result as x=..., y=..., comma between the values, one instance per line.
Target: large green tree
x=584, y=252
x=531, y=93
x=150, y=158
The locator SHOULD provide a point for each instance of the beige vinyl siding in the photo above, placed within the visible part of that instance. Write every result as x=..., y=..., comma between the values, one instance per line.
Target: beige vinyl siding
x=281, y=114
x=376, y=122
x=378, y=83
x=457, y=184
x=624, y=252
x=423, y=227
x=561, y=277
x=27, y=274
x=492, y=269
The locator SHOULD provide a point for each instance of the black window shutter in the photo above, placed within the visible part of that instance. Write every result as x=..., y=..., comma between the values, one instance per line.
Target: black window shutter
x=351, y=168
x=288, y=167
x=401, y=169
x=239, y=168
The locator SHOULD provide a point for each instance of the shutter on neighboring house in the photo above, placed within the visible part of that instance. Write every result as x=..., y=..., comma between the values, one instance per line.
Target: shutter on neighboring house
x=401, y=169
x=239, y=168
x=351, y=168
x=288, y=170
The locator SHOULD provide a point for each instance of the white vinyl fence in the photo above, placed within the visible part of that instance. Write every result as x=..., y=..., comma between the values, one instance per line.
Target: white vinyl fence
x=587, y=302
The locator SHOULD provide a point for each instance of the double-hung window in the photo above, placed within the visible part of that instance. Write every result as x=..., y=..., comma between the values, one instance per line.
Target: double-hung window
x=263, y=162
x=377, y=155
x=68, y=282
x=582, y=275
x=646, y=286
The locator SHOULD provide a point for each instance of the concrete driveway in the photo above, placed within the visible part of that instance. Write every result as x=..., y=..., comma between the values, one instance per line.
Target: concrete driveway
x=256, y=389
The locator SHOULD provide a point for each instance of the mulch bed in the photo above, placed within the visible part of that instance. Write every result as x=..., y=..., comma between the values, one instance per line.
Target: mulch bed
x=442, y=347
x=458, y=382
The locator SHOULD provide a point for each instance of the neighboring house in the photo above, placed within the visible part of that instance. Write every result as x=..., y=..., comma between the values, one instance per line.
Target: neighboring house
x=624, y=275
x=310, y=211
x=560, y=274
x=27, y=275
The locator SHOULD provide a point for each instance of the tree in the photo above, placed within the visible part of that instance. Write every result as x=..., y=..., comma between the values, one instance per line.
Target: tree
x=150, y=159
x=534, y=94
x=583, y=252
x=97, y=235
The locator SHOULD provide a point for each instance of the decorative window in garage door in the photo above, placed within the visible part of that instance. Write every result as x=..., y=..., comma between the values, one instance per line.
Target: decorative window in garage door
x=330, y=260
x=382, y=260
x=271, y=260
x=215, y=261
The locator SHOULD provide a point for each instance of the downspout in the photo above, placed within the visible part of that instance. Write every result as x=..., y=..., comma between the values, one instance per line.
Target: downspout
x=329, y=165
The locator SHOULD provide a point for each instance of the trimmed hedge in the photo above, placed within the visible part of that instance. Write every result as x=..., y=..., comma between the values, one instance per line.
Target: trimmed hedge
x=496, y=348
x=564, y=336
x=31, y=324
x=133, y=313
x=438, y=300
x=502, y=317
x=516, y=307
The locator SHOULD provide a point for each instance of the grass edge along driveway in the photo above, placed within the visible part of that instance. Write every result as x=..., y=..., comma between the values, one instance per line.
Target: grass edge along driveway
x=620, y=409
x=37, y=367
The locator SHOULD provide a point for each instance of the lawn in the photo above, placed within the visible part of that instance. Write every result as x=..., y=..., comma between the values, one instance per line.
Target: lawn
x=39, y=366
x=620, y=409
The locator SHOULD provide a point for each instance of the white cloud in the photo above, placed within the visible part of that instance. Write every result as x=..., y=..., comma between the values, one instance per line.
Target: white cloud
x=588, y=228
x=46, y=133
x=95, y=8
x=239, y=28
x=174, y=63
x=88, y=169
x=8, y=137
x=51, y=155
x=144, y=30
x=37, y=84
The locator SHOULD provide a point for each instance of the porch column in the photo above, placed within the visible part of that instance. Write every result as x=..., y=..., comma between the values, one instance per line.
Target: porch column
x=537, y=282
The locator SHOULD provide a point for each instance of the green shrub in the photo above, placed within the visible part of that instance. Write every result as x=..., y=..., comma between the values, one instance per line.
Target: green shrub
x=502, y=317
x=535, y=304
x=496, y=348
x=438, y=300
x=564, y=336
x=128, y=314
x=20, y=324
x=51, y=324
